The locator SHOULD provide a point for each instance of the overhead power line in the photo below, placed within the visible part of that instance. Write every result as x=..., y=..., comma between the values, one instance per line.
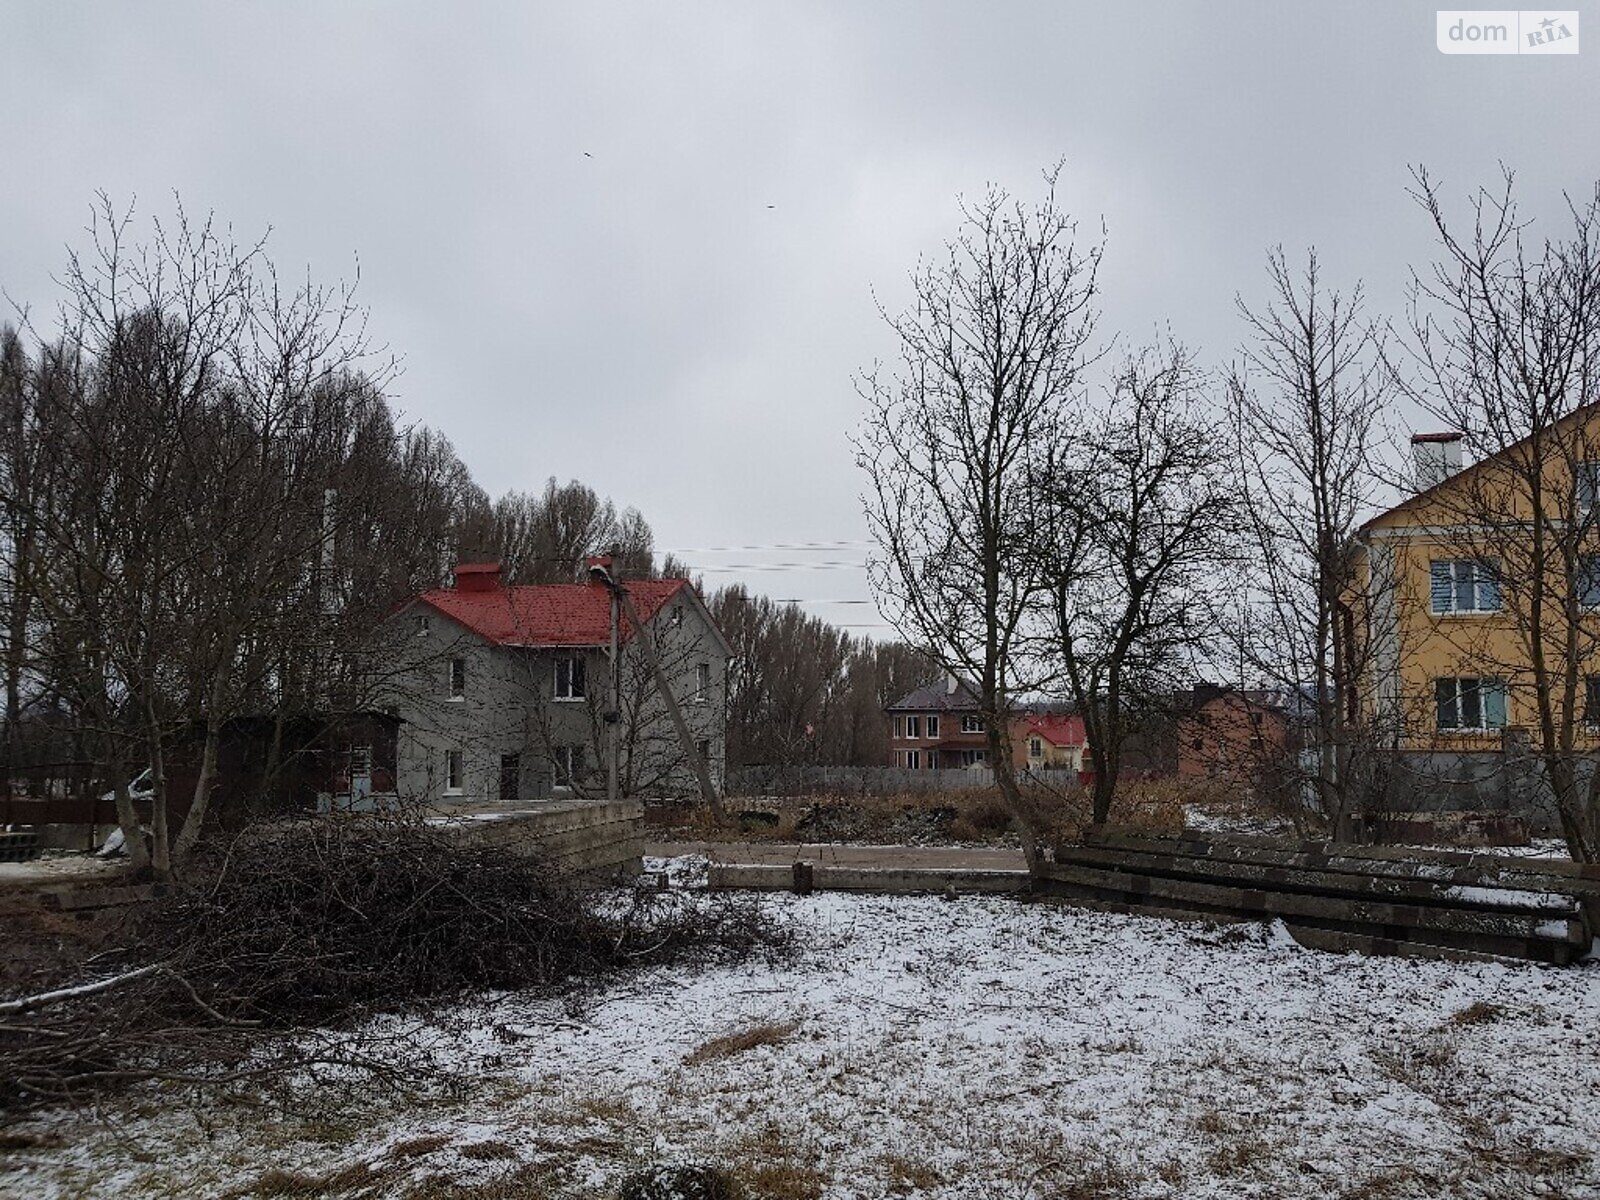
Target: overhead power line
x=767, y=546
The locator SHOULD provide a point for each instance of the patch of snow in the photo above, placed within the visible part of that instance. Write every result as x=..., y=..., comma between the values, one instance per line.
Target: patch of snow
x=989, y=1045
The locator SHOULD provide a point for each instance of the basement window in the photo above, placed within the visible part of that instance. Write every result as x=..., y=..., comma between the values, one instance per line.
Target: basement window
x=1469, y=703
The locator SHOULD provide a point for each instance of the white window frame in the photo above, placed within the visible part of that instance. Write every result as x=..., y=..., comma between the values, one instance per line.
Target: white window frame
x=457, y=684
x=455, y=772
x=931, y=724
x=1036, y=747
x=1588, y=573
x=899, y=728
x=702, y=683
x=1586, y=487
x=971, y=724
x=1489, y=692
x=913, y=759
x=570, y=696
x=913, y=728
x=564, y=771
x=1475, y=577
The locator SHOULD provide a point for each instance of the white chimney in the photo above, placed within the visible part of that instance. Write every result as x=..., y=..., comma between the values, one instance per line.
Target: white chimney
x=1437, y=456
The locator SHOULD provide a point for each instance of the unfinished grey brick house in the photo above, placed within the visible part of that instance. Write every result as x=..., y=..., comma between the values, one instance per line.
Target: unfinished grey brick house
x=504, y=691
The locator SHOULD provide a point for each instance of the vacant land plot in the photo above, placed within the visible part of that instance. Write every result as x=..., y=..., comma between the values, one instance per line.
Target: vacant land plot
x=918, y=1047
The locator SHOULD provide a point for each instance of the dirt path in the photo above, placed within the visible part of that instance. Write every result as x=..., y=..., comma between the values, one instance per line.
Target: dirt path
x=969, y=858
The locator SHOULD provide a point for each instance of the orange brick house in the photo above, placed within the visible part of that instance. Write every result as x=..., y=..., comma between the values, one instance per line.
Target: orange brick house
x=937, y=728
x=1229, y=733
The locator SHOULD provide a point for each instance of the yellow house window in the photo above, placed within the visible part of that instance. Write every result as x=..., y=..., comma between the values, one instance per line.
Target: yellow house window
x=1469, y=703
x=1462, y=585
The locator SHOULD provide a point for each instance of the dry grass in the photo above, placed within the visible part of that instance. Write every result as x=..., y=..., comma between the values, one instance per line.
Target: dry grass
x=730, y=1044
x=487, y=1151
x=1479, y=1012
x=905, y=1176
x=960, y=816
x=772, y=1166
x=533, y=1181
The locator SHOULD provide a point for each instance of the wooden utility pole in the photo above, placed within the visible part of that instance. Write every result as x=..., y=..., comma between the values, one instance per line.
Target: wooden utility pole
x=600, y=569
x=613, y=715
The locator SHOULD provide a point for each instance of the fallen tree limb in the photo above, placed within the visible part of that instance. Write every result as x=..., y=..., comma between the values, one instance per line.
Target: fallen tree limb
x=29, y=1003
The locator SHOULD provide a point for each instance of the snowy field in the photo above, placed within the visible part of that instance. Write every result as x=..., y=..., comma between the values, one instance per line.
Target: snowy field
x=981, y=1047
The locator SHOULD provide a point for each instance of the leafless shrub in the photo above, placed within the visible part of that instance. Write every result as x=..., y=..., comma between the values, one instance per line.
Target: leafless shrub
x=266, y=961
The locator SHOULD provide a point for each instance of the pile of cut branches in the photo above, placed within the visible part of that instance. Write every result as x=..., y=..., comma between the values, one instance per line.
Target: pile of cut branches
x=274, y=954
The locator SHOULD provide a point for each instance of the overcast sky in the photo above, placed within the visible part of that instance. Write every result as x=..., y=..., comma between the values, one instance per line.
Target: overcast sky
x=639, y=244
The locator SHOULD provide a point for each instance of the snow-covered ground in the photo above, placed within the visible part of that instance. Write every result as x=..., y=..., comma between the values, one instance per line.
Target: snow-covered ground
x=982, y=1047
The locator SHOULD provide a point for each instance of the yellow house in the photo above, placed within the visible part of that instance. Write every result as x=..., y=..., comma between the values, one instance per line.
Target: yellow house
x=1481, y=596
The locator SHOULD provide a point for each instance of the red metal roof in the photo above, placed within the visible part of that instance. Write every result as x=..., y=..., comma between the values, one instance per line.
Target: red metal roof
x=548, y=614
x=1059, y=729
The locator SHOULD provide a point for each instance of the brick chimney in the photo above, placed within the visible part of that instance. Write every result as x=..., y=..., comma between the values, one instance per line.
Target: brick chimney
x=477, y=577
x=597, y=562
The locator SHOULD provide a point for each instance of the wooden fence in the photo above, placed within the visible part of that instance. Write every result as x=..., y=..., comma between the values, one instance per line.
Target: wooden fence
x=1374, y=899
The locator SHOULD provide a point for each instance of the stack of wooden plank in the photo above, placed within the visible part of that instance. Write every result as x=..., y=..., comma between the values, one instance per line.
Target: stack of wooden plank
x=1373, y=899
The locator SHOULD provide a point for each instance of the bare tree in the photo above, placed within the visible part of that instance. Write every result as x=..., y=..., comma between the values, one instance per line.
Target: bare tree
x=956, y=442
x=1306, y=400
x=1135, y=517
x=1505, y=343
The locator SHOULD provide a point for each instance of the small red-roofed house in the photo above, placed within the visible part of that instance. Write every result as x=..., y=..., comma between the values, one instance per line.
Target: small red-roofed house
x=1048, y=741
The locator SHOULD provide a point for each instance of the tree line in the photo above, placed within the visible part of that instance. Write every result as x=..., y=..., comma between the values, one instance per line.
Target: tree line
x=1059, y=511
x=207, y=500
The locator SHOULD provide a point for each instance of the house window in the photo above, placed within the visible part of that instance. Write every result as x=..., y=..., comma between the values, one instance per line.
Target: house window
x=677, y=615
x=452, y=772
x=1035, y=748
x=1587, y=481
x=702, y=682
x=1462, y=585
x=971, y=724
x=1591, y=700
x=511, y=777
x=703, y=749
x=899, y=727
x=458, y=678
x=913, y=727
x=1587, y=583
x=423, y=624
x=913, y=759
x=974, y=758
x=570, y=677
x=933, y=760
x=569, y=765
x=933, y=727
x=1470, y=703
